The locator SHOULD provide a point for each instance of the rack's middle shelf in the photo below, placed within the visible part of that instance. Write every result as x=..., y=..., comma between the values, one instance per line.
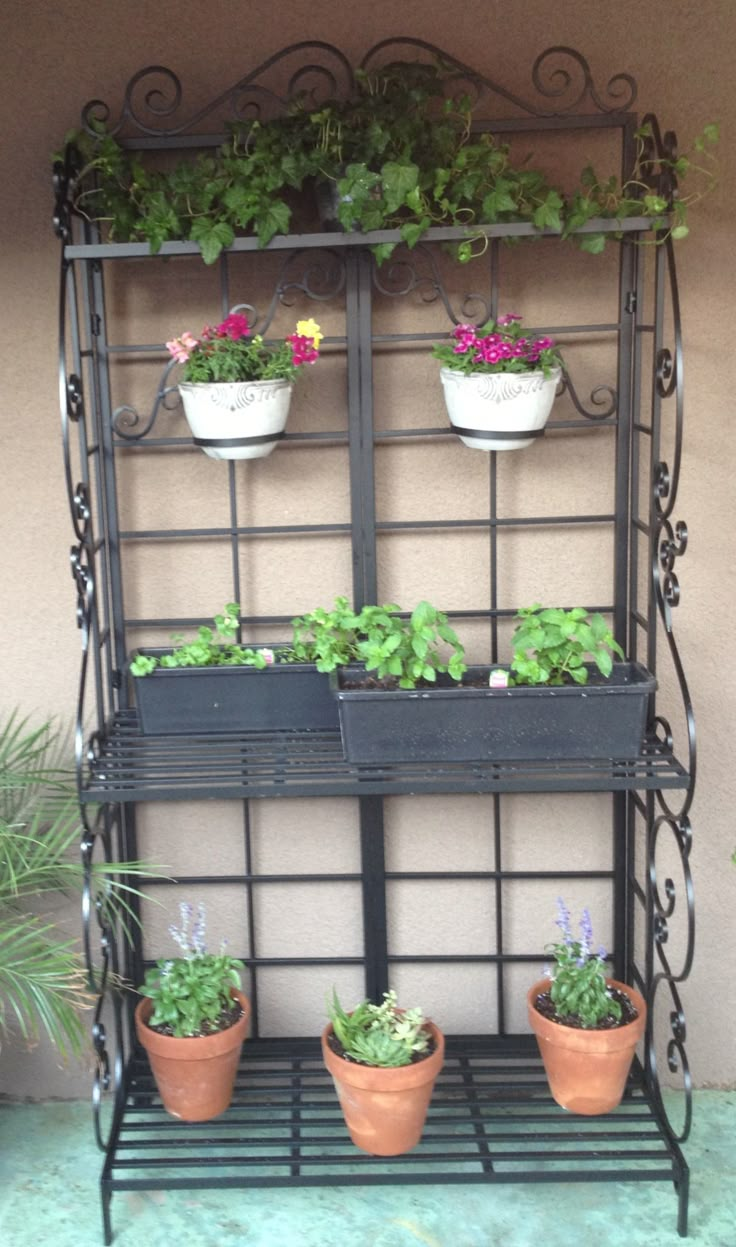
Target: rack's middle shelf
x=125, y=766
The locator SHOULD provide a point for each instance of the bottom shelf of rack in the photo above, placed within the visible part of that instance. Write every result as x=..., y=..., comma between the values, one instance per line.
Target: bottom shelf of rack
x=492, y=1119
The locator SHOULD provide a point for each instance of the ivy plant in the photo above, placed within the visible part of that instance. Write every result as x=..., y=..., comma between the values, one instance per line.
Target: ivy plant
x=403, y=154
x=551, y=646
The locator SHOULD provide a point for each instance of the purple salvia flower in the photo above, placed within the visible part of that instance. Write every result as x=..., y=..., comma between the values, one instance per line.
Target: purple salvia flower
x=602, y=954
x=198, y=931
x=563, y=920
x=586, y=932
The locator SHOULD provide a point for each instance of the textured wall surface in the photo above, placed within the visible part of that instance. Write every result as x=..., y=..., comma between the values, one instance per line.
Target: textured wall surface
x=53, y=59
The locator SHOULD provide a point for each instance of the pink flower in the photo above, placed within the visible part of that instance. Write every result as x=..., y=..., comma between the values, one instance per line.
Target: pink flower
x=181, y=348
x=543, y=344
x=508, y=319
x=233, y=326
x=268, y=656
x=487, y=354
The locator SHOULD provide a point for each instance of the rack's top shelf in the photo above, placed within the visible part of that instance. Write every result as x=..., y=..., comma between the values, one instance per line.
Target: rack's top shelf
x=286, y=242
x=127, y=766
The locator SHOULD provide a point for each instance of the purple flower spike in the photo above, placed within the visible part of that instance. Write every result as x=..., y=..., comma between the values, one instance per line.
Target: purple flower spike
x=586, y=932
x=563, y=920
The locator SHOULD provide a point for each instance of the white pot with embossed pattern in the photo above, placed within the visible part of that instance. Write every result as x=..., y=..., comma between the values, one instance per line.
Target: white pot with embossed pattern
x=236, y=419
x=499, y=410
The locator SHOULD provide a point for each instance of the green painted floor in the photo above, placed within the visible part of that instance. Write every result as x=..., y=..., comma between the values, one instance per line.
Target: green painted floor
x=49, y=1170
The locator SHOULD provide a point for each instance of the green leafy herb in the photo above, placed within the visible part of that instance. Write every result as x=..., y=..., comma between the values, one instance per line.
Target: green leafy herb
x=190, y=994
x=578, y=988
x=551, y=645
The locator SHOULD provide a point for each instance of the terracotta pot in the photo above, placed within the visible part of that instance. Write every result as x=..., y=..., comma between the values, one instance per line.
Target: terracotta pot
x=385, y=1109
x=195, y=1076
x=587, y=1069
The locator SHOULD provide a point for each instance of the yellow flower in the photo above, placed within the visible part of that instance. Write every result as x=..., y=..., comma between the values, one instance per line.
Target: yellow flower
x=310, y=329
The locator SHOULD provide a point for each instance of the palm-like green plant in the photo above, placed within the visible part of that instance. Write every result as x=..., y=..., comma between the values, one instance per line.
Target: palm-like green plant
x=43, y=981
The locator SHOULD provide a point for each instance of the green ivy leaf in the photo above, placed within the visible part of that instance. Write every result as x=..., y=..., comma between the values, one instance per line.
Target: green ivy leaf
x=412, y=231
x=212, y=237
x=399, y=180
x=592, y=243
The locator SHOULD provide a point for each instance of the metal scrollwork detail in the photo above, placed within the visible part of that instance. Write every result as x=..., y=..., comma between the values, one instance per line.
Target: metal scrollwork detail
x=402, y=276
x=126, y=420
x=101, y=957
x=666, y=978
x=154, y=94
x=604, y=397
x=560, y=73
x=153, y=98
x=64, y=178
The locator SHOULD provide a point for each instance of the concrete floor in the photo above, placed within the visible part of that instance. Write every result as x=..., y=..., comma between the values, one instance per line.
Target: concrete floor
x=49, y=1170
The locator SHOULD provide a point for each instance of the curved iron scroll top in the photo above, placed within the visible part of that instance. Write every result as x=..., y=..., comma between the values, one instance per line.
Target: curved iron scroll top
x=316, y=71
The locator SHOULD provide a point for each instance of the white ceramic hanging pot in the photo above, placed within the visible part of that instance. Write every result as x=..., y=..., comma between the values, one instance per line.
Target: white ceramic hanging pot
x=236, y=419
x=499, y=410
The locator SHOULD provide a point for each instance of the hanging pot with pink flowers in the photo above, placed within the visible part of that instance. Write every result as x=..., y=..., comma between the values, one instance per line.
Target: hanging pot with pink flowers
x=236, y=390
x=499, y=384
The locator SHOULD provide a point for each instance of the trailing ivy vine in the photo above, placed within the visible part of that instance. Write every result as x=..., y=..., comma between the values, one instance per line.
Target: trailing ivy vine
x=401, y=154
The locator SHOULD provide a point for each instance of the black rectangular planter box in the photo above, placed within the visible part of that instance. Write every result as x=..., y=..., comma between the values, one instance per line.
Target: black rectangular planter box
x=200, y=700
x=452, y=723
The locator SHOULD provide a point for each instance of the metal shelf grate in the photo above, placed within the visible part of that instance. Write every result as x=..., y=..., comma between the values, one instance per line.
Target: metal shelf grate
x=126, y=766
x=491, y=1120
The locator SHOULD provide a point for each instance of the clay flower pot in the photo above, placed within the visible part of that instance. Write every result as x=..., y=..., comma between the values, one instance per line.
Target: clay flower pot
x=587, y=1069
x=385, y=1109
x=195, y=1075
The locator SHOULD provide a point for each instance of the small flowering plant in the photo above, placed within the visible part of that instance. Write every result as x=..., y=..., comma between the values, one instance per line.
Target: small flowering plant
x=228, y=352
x=191, y=994
x=498, y=346
x=578, y=988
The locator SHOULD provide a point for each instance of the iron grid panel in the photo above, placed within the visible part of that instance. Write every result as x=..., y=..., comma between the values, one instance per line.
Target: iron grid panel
x=127, y=766
x=491, y=1119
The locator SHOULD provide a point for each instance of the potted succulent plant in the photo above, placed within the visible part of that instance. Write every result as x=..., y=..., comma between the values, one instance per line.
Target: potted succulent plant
x=416, y=699
x=216, y=684
x=236, y=389
x=384, y=1062
x=587, y=1025
x=192, y=1022
x=499, y=385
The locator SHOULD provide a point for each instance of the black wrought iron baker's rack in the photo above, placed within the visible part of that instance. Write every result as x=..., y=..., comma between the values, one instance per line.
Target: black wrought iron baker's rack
x=492, y=1119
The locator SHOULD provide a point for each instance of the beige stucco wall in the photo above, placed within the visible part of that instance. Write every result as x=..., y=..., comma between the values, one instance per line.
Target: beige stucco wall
x=53, y=59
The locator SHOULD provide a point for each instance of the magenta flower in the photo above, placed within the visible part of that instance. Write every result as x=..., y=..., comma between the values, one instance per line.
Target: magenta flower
x=497, y=346
x=233, y=326
x=303, y=350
